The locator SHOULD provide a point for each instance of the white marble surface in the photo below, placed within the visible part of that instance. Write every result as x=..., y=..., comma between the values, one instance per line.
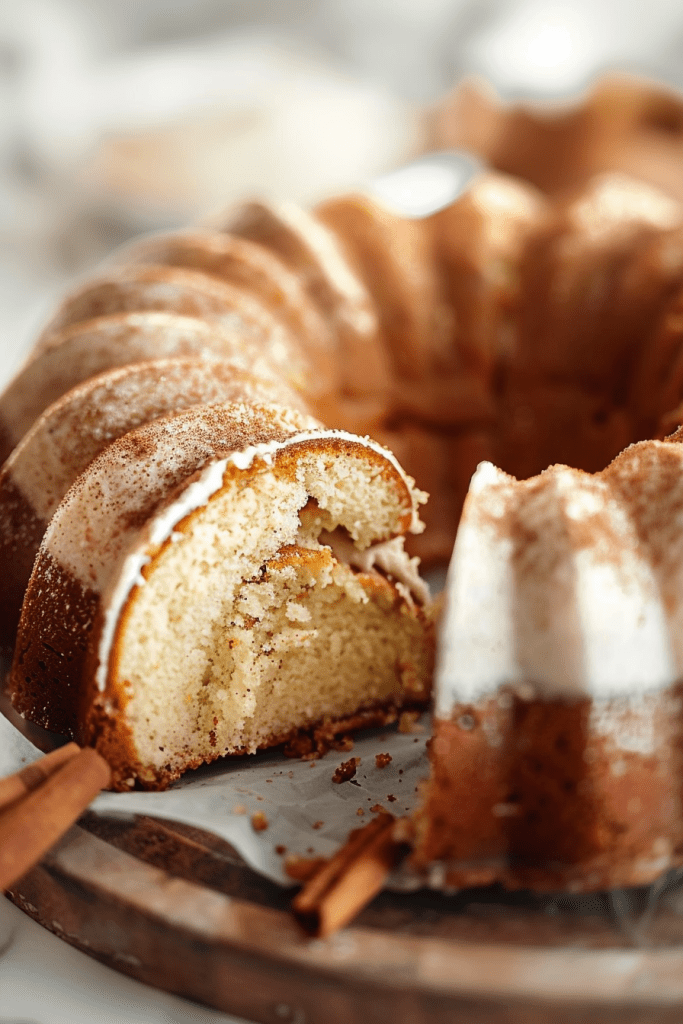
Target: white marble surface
x=44, y=980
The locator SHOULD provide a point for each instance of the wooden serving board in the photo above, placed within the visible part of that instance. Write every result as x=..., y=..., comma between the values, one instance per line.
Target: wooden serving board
x=176, y=908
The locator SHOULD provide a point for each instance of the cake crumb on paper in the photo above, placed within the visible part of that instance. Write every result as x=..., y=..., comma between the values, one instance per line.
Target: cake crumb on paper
x=259, y=822
x=382, y=760
x=346, y=770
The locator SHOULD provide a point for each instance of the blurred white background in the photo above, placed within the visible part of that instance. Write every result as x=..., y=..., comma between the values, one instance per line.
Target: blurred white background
x=121, y=117
x=117, y=117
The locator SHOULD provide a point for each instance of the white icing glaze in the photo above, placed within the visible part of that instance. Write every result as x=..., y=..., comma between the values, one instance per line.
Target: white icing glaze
x=554, y=585
x=387, y=555
x=476, y=650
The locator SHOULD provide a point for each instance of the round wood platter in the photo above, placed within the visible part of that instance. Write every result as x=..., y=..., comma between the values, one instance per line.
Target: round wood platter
x=177, y=908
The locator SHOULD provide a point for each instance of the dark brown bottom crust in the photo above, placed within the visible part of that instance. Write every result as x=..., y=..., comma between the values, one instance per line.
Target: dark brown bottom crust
x=311, y=742
x=598, y=875
x=531, y=794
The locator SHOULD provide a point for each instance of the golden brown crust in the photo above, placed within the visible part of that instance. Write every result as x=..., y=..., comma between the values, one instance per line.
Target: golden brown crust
x=21, y=531
x=45, y=682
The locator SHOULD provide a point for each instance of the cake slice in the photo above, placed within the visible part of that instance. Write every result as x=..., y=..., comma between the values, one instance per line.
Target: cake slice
x=215, y=582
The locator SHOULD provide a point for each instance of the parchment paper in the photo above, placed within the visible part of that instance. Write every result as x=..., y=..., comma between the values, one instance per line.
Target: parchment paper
x=307, y=813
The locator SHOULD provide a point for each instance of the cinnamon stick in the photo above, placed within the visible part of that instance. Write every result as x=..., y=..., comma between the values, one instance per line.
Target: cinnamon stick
x=347, y=882
x=29, y=826
x=13, y=787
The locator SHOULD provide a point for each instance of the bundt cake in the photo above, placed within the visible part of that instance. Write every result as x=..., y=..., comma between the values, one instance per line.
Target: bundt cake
x=84, y=350
x=219, y=570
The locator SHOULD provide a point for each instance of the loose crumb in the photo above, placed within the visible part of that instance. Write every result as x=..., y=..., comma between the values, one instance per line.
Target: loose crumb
x=239, y=809
x=318, y=824
x=259, y=822
x=280, y=850
x=346, y=770
x=360, y=812
x=378, y=809
x=391, y=798
x=382, y=760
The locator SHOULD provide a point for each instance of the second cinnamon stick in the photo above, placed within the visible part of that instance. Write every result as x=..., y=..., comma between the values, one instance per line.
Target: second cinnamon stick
x=350, y=879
